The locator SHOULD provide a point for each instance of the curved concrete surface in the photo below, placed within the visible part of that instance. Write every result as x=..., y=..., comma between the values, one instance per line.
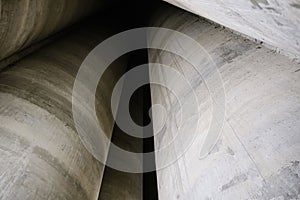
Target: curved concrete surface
x=118, y=185
x=25, y=22
x=41, y=154
x=258, y=153
x=277, y=23
x=121, y=186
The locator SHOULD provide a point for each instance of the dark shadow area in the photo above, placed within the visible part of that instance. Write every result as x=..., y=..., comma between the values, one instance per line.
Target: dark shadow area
x=123, y=16
x=122, y=185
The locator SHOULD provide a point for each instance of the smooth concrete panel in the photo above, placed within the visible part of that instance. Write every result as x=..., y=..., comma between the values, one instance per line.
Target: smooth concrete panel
x=257, y=155
x=41, y=154
x=277, y=23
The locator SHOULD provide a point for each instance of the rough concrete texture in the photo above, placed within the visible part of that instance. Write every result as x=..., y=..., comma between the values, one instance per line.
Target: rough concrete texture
x=24, y=52
x=257, y=155
x=42, y=156
x=28, y=21
x=277, y=23
x=118, y=185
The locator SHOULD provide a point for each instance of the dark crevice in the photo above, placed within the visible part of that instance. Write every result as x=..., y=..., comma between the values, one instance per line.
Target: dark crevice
x=133, y=185
x=117, y=184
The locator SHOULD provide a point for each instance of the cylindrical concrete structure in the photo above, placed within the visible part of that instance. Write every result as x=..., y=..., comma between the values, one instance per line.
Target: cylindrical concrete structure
x=25, y=22
x=258, y=152
x=42, y=156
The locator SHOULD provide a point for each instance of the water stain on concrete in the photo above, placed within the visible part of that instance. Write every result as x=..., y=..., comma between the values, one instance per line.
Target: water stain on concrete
x=273, y=9
x=278, y=23
x=256, y=5
x=230, y=151
x=236, y=180
x=295, y=163
x=233, y=49
x=217, y=147
x=295, y=5
x=257, y=2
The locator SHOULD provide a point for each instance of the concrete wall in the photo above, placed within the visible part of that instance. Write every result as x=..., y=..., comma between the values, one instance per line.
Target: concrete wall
x=118, y=185
x=25, y=22
x=257, y=155
x=41, y=154
x=277, y=23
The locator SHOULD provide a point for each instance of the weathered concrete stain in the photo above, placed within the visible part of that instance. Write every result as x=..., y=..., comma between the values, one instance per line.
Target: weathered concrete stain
x=295, y=5
x=257, y=2
x=236, y=180
x=273, y=9
x=283, y=185
x=230, y=151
